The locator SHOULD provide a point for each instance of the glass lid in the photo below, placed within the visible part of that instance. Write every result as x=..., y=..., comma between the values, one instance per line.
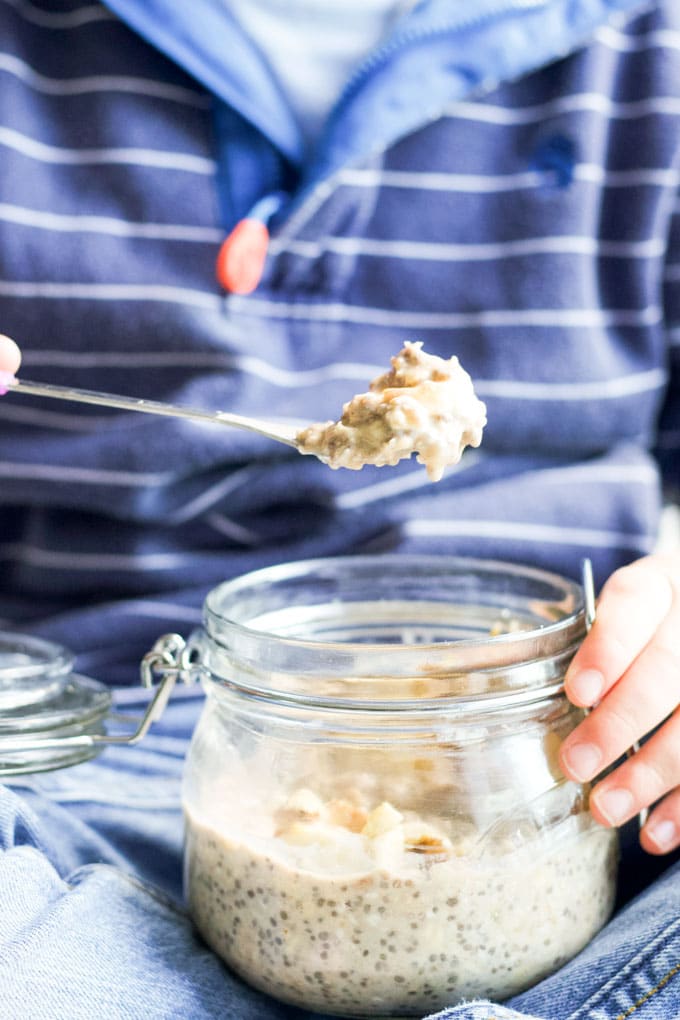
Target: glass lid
x=31, y=670
x=45, y=709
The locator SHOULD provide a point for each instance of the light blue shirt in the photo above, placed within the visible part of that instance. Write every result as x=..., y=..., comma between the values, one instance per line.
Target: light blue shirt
x=313, y=46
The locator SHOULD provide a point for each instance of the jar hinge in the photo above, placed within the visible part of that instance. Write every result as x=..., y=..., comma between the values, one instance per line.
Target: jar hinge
x=167, y=662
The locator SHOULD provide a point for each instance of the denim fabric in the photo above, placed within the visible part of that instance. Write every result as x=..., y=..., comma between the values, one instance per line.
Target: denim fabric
x=85, y=928
x=91, y=921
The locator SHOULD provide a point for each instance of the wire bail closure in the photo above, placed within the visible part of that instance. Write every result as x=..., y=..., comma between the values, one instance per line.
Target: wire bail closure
x=167, y=662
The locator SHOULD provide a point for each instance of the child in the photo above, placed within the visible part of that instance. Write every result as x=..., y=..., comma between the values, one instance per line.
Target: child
x=499, y=182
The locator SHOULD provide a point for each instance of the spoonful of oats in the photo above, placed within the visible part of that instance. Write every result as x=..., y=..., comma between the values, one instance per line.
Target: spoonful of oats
x=424, y=405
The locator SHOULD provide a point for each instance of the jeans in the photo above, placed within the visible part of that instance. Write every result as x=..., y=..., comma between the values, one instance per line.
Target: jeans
x=91, y=923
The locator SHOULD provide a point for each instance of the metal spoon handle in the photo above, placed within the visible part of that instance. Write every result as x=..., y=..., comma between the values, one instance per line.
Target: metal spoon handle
x=272, y=430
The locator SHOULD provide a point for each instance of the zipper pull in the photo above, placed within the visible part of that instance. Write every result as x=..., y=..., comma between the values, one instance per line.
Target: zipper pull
x=242, y=255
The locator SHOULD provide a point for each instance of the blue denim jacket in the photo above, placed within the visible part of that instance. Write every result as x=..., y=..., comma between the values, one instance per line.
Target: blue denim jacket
x=91, y=921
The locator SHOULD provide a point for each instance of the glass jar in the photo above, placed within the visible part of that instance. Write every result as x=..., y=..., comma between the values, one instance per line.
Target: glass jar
x=376, y=822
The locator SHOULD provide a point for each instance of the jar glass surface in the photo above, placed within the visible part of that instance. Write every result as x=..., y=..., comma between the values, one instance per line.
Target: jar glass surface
x=31, y=670
x=376, y=822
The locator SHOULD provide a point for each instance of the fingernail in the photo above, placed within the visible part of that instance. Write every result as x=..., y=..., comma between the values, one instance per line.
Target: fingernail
x=615, y=805
x=6, y=380
x=664, y=833
x=587, y=686
x=583, y=761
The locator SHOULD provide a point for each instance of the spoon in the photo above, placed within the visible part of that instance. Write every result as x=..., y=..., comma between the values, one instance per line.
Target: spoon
x=272, y=430
x=423, y=405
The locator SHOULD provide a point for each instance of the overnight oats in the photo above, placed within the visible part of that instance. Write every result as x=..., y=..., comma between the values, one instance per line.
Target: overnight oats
x=424, y=405
x=376, y=823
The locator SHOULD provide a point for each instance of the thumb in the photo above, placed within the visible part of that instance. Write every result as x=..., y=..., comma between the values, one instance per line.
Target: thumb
x=10, y=355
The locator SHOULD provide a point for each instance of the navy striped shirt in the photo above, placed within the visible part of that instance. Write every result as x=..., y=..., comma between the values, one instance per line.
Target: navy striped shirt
x=504, y=188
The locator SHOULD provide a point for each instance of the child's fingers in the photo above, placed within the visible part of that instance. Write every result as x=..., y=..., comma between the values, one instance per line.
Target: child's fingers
x=644, y=696
x=631, y=607
x=10, y=355
x=642, y=780
x=661, y=833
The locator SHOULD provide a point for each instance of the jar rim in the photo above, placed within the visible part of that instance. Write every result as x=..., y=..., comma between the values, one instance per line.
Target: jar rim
x=251, y=646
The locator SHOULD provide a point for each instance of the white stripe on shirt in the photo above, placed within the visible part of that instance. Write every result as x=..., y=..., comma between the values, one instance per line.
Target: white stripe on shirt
x=563, y=318
x=84, y=476
x=524, y=531
x=55, y=420
x=583, y=102
x=99, y=83
x=595, y=472
x=636, y=382
x=156, y=158
x=455, y=183
x=209, y=496
x=448, y=252
x=154, y=608
x=416, y=479
x=231, y=530
x=84, y=223
x=49, y=290
x=69, y=559
x=60, y=19
x=205, y=359
x=129, y=359
x=595, y=389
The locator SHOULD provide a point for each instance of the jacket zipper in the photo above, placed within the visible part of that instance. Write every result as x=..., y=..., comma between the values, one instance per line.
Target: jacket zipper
x=381, y=55
x=401, y=40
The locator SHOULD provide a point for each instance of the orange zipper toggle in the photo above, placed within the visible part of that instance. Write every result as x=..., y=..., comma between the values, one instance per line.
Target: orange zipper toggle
x=241, y=258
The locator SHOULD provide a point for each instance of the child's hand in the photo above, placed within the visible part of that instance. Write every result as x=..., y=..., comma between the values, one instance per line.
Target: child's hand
x=10, y=355
x=630, y=664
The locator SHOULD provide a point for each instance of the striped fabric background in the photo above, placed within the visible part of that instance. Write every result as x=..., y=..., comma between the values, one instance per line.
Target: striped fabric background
x=531, y=227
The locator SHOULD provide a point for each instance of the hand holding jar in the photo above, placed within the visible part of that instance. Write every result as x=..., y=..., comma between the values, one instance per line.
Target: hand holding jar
x=629, y=668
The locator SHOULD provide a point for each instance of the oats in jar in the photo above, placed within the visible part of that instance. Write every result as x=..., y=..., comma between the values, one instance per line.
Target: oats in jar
x=398, y=916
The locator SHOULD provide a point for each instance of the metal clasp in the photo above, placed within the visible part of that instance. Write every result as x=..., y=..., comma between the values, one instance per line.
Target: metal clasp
x=167, y=662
